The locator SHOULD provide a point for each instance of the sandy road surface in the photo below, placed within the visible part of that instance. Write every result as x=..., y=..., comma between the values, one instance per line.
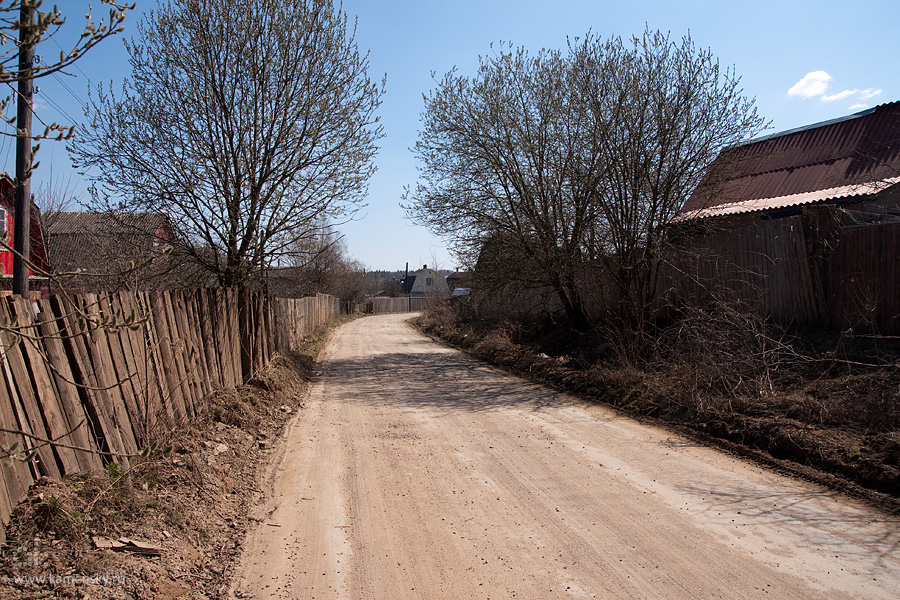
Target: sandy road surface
x=415, y=472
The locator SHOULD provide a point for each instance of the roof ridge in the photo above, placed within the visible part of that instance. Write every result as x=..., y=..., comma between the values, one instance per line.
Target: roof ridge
x=864, y=145
x=863, y=113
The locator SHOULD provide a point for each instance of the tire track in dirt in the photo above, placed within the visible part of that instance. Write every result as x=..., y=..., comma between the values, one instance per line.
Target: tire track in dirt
x=300, y=542
x=415, y=472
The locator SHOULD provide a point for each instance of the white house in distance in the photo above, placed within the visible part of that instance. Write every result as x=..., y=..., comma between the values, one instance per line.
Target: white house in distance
x=427, y=282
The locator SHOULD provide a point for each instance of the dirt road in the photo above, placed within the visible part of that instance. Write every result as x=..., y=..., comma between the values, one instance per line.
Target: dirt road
x=415, y=472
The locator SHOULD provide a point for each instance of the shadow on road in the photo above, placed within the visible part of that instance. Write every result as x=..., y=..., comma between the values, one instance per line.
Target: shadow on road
x=793, y=509
x=445, y=380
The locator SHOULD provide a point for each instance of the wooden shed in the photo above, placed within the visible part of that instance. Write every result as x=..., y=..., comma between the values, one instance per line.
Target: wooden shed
x=803, y=225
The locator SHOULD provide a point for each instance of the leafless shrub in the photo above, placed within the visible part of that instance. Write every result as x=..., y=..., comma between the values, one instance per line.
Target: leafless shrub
x=497, y=342
x=445, y=314
x=725, y=351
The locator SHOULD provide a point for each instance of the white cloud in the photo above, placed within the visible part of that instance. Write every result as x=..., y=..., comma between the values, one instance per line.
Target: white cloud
x=814, y=83
x=39, y=103
x=869, y=93
x=862, y=95
x=839, y=96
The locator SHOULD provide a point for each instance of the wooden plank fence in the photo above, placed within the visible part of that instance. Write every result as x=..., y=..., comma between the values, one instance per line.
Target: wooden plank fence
x=106, y=374
x=772, y=267
x=793, y=270
x=864, y=280
x=763, y=264
x=306, y=314
x=399, y=304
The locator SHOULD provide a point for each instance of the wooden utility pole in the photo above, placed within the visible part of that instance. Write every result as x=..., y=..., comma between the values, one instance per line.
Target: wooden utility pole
x=22, y=225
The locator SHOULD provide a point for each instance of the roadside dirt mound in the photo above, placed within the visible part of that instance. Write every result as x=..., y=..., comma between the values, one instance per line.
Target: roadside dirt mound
x=171, y=526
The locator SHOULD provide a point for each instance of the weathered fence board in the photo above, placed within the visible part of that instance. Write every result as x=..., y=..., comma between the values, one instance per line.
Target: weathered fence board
x=207, y=332
x=779, y=270
x=223, y=338
x=176, y=345
x=398, y=304
x=112, y=347
x=49, y=405
x=67, y=389
x=196, y=354
x=101, y=385
x=16, y=474
x=161, y=402
x=296, y=318
x=168, y=367
x=130, y=371
x=110, y=392
x=864, y=279
x=764, y=264
x=25, y=400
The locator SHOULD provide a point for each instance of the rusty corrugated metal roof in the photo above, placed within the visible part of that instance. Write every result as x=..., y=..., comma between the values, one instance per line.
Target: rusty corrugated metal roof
x=798, y=166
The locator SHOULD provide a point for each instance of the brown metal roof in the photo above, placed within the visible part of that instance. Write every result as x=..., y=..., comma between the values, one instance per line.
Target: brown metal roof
x=797, y=166
x=102, y=243
x=60, y=223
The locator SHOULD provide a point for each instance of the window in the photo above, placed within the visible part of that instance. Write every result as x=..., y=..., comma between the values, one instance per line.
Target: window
x=429, y=281
x=2, y=222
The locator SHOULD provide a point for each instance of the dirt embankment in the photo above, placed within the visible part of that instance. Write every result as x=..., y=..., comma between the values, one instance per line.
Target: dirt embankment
x=727, y=380
x=172, y=526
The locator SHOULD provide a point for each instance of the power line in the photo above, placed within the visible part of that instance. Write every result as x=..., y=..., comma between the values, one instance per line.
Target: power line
x=59, y=109
x=68, y=89
x=8, y=147
x=74, y=64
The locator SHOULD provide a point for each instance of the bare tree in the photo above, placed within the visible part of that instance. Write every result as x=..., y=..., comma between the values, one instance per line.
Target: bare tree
x=247, y=122
x=321, y=265
x=573, y=162
x=54, y=197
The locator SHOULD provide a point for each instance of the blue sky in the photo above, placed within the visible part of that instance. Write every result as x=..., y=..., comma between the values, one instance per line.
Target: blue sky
x=804, y=62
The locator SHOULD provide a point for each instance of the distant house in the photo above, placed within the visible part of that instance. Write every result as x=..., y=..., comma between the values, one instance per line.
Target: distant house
x=803, y=225
x=426, y=282
x=38, y=252
x=459, y=279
